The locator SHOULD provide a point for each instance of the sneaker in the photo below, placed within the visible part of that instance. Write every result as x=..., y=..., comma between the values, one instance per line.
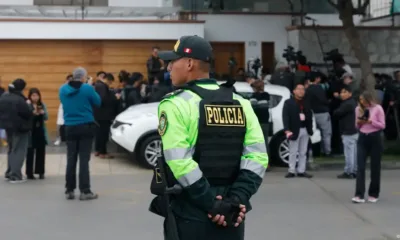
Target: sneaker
x=358, y=200
x=16, y=180
x=41, y=176
x=69, y=195
x=88, y=196
x=372, y=199
x=304, y=175
x=57, y=143
x=290, y=175
x=345, y=176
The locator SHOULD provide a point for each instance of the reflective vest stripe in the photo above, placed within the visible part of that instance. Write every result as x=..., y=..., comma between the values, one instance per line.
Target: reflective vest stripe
x=255, y=147
x=191, y=177
x=253, y=166
x=185, y=95
x=186, y=171
x=178, y=153
x=255, y=158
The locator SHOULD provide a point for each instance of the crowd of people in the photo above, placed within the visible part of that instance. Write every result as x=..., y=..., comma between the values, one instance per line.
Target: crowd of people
x=85, y=114
x=341, y=111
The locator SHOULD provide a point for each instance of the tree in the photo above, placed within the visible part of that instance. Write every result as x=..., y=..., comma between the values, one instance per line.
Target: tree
x=346, y=11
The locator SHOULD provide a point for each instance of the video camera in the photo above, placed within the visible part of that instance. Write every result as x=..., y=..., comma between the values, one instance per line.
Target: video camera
x=253, y=66
x=293, y=57
x=333, y=55
x=289, y=54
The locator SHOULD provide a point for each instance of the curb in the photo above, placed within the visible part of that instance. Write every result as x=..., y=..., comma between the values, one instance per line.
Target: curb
x=388, y=165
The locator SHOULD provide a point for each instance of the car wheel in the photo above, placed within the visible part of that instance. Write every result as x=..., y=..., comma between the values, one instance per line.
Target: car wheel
x=279, y=150
x=149, y=151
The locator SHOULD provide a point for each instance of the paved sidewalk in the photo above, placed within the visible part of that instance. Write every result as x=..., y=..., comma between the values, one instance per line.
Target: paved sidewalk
x=55, y=165
x=300, y=209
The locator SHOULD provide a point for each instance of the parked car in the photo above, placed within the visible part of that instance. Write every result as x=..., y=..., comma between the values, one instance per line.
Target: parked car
x=135, y=129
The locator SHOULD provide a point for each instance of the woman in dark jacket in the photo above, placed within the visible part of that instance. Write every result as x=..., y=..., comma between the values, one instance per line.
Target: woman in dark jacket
x=35, y=159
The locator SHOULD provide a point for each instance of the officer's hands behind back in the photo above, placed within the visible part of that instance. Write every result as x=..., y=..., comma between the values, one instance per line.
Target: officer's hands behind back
x=227, y=212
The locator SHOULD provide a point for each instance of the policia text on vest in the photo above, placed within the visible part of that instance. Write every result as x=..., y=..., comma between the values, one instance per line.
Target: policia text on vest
x=219, y=115
x=213, y=146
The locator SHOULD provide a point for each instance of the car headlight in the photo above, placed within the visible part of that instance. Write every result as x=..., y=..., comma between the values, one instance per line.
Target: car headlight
x=117, y=124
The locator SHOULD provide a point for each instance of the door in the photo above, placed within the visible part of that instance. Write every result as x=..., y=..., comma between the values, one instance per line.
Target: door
x=223, y=52
x=268, y=56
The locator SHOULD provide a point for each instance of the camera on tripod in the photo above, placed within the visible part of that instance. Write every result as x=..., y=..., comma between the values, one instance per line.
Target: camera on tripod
x=289, y=54
x=253, y=66
x=293, y=57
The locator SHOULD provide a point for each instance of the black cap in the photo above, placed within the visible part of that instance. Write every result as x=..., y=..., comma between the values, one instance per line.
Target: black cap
x=191, y=47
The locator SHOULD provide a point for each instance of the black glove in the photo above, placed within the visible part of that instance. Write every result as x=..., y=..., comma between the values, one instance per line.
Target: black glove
x=235, y=201
x=227, y=208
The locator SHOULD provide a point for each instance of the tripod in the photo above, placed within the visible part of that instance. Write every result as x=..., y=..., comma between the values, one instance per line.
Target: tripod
x=319, y=39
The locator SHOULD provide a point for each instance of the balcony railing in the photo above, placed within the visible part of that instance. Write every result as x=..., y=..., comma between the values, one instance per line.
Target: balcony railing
x=272, y=6
x=76, y=12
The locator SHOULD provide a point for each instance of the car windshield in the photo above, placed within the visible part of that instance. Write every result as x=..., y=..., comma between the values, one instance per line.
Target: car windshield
x=273, y=100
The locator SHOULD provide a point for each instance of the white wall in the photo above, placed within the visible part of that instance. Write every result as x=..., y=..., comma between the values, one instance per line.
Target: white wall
x=384, y=21
x=140, y=3
x=248, y=28
x=90, y=30
x=330, y=19
x=16, y=2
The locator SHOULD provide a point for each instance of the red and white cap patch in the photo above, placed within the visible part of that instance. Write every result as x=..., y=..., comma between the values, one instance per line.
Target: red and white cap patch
x=187, y=50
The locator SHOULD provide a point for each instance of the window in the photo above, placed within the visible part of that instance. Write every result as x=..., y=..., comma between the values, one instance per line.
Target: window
x=71, y=2
x=274, y=100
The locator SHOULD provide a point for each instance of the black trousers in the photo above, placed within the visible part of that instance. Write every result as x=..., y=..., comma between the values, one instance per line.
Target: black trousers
x=35, y=160
x=102, y=136
x=369, y=145
x=196, y=230
x=79, y=144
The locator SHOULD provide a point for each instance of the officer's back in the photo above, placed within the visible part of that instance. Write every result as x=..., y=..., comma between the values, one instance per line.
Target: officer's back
x=212, y=143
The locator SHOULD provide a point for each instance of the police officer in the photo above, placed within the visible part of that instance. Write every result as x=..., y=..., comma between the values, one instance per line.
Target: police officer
x=213, y=146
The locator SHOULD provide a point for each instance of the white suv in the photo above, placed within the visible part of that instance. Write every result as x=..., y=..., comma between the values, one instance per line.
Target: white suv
x=135, y=129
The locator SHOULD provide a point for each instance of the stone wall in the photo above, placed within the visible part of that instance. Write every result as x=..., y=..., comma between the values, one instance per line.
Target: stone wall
x=383, y=45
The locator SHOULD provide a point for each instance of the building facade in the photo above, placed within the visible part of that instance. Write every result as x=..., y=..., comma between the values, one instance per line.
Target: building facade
x=43, y=40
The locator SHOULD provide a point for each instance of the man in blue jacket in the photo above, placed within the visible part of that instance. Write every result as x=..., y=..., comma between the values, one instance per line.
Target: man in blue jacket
x=78, y=100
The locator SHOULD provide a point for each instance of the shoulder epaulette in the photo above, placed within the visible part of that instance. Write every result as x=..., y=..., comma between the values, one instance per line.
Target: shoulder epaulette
x=173, y=93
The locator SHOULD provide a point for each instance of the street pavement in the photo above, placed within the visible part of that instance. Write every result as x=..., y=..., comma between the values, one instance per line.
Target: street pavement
x=300, y=209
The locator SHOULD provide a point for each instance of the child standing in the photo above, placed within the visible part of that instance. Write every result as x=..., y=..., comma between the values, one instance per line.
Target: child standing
x=35, y=159
x=346, y=115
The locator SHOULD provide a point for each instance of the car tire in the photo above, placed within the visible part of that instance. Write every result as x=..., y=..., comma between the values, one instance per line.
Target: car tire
x=276, y=148
x=279, y=147
x=148, y=151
